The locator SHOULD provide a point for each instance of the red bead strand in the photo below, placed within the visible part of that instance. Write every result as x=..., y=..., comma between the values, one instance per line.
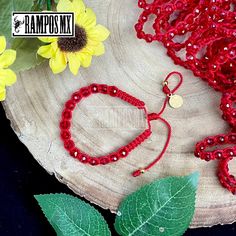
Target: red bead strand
x=204, y=34
x=210, y=28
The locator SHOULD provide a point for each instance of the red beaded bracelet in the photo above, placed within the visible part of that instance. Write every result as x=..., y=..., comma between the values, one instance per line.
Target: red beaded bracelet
x=223, y=155
x=228, y=108
x=200, y=36
x=174, y=100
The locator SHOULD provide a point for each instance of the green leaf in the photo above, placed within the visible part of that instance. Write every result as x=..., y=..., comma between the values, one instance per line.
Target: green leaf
x=164, y=207
x=7, y=6
x=70, y=216
x=26, y=57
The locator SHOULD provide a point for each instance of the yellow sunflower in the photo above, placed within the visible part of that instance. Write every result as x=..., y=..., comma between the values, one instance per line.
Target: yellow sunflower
x=76, y=51
x=7, y=76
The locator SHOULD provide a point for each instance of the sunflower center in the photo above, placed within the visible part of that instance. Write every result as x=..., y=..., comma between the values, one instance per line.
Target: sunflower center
x=74, y=44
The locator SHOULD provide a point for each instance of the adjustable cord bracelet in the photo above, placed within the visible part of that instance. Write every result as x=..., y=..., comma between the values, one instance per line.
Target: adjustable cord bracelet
x=174, y=100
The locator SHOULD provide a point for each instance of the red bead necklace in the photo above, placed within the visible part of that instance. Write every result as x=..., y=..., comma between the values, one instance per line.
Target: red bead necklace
x=200, y=35
x=65, y=123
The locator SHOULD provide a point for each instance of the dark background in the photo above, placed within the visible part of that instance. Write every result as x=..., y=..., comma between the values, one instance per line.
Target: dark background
x=22, y=177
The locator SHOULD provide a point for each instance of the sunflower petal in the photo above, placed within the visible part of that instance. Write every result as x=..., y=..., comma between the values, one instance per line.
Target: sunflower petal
x=54, y=46
x=64, y=6
x=2, y=93
x=98, y=33
x=87, y=19
x=47, y=39
x=85, y=59
x=7, y=77
x=74, y=62
x=99, y=49
x=90, y=46
x=58, y=62
x=2, y=44
x=46, y=51
x=78, y=6
x=7, y=58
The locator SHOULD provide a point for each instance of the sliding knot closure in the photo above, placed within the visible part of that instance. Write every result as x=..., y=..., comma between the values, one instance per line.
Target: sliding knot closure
x=153, y=116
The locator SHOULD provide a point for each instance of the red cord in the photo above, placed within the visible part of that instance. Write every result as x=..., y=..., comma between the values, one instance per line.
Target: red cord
x=139, y=172
x=157, y=116
x=180, y=80
x=122, y=152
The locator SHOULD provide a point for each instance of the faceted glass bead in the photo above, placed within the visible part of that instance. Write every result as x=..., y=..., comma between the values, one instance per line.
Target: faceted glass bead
x=74, y=153
x=104, y=160
x=210, y=141
x=94, y=88
x=64, y=124
x=85, y=92
x=94, y=161
x=76, y=97
x=114, y=158
x=113, y=91
x=83, y=158
x=123, y=153
x=221, y=139
x=103, y=89
x=65, y=135
x=232, y=138
x=67, y=114
x=70, y=105
x=218, y=154
x=69, y=144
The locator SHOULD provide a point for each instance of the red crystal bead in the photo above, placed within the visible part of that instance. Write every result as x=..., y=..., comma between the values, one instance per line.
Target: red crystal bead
x=113, y=91
x=232, y=138
x=94, y=161
x=84, y=158
x=85, y=92
x=70, y=105
x=218, y=154
x=104, y=89
x=94, y=88
x=66, y=114
x=197, y=154
x=69, y=144
x=123, y=152
x=104, y=160
x=210, y=141
x=65, y=134
x=207, y=156
x=64, y=124
x=76, y=97
x=221, y=139
x=114, y=158
x=74, y=152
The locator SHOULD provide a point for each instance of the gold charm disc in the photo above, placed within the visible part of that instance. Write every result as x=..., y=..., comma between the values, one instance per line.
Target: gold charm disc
x=176, y=101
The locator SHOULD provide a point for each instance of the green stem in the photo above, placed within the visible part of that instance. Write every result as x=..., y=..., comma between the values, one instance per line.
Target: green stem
x=49, y=5
x=40, y=5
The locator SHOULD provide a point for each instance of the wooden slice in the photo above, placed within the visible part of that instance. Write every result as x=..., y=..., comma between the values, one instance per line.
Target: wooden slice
x=102, y=124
